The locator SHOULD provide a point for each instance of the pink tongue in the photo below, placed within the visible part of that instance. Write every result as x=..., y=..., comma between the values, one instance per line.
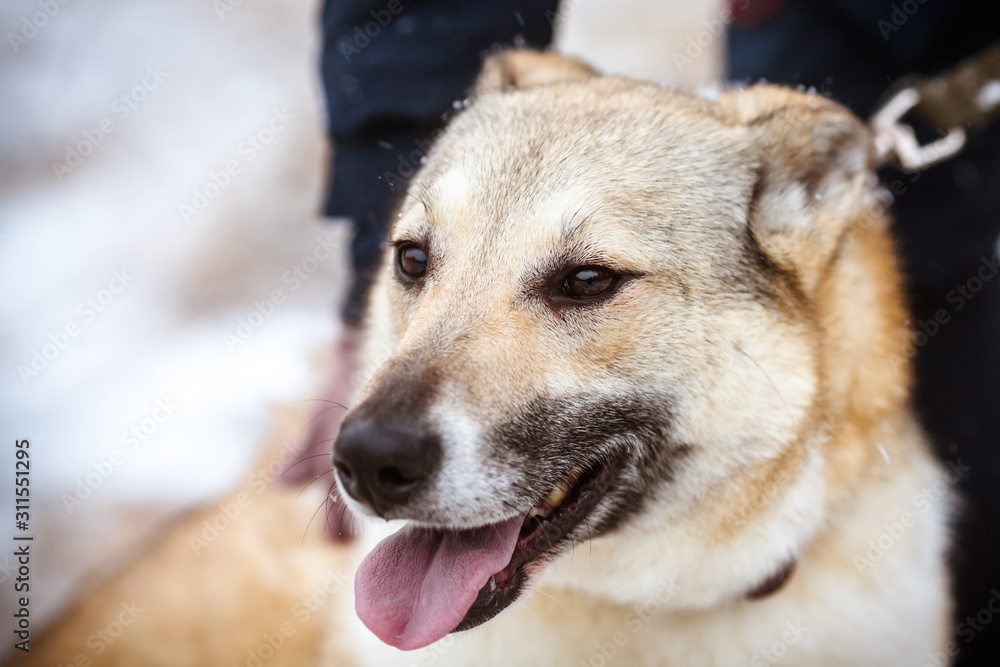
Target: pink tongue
x=417, y=585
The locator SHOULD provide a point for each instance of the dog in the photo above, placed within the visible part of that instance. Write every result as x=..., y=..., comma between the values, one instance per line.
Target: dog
x=638, y=394
x=639, y=391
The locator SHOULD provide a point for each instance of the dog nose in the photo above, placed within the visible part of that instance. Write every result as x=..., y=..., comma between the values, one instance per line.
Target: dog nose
x=383, y=464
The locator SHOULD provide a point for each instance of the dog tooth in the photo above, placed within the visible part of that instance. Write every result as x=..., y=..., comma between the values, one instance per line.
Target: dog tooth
x=557, y=495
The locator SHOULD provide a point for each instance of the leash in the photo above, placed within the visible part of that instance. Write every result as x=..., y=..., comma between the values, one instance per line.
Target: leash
x=964, y=99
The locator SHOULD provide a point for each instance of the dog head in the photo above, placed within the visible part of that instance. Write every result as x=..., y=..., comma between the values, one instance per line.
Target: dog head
x=604, y=315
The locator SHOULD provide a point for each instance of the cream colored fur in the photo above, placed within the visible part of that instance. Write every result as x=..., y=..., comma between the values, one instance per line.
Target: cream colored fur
x=810, y=451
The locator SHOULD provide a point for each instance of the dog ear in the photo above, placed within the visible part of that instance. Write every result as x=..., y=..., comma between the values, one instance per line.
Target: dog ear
x=816, y=162
x=517, y=69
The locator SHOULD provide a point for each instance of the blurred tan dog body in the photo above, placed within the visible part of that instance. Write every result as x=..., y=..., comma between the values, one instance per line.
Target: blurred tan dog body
x=766, y=315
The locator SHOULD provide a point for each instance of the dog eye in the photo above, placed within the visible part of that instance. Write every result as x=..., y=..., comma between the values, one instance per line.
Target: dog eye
x=589, y=282
x=411, y=260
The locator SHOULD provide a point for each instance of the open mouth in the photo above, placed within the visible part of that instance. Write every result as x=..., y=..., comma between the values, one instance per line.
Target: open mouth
x=420, y=584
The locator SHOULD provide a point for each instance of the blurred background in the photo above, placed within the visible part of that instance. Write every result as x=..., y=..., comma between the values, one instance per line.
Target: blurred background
x=154, y=98
x=162, y=166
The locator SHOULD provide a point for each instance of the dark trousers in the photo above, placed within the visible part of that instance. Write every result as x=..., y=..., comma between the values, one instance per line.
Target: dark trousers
x=392, y=69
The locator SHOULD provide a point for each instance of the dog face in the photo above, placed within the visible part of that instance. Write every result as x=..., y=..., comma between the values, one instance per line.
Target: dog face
x=597, y=322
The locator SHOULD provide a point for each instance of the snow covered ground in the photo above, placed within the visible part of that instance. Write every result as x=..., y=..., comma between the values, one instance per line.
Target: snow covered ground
x=164, y=276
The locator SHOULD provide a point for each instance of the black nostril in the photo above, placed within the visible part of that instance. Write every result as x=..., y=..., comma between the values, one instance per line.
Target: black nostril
x=392, y=477
x=345, y=472
x=383, y=464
